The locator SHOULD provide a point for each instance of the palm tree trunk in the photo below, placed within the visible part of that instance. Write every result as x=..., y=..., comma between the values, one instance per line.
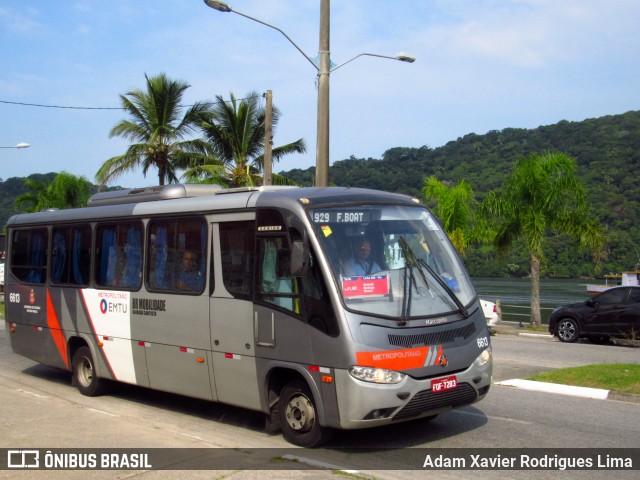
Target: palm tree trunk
x=535, y=290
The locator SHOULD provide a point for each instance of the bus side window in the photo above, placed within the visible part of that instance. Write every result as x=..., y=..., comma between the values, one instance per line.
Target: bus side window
x=71, y=255
x=177, y=255
x=277, y=286
x=29, y=255
x=237, y=247
x=80, y=255
x=119, y=255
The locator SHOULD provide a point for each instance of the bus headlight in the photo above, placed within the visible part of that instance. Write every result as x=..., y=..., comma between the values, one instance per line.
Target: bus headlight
x=484, y=357
x=376, y=375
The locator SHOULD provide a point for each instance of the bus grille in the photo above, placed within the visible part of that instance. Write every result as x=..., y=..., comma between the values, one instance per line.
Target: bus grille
x=427, y=400
x=432, y=338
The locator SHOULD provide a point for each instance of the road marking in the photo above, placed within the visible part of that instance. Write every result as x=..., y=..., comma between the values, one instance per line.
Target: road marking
x=318, y=463
x=32, y=394
x=103, y=412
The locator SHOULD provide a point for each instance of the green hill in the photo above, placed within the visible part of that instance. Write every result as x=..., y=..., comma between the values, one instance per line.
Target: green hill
x=607, y=150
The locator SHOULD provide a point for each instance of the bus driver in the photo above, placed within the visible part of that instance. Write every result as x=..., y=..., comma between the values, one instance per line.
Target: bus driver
x=361, y=263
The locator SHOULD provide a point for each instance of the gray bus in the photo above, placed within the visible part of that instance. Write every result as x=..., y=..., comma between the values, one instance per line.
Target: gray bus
x=324, y=308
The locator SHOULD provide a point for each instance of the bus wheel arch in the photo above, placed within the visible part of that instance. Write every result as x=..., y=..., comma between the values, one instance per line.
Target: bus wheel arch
x=85, y=374
x=294, y=385
x=299, y=416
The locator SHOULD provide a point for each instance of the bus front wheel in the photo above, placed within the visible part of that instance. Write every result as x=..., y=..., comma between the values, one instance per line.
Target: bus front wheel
x=84, y=374
x=299, y=416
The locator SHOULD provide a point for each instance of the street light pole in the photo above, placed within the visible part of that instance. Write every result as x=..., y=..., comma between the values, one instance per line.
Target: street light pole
x=322, y=133
x=324, y=71
x=267, y=167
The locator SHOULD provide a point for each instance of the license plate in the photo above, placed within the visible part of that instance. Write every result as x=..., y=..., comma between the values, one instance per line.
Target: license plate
x=444, y=384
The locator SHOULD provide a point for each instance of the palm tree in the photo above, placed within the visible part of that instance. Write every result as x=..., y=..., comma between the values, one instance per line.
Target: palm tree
x=455, y=208
x=235, y=130
x=542, y=194
x=158, y=132
x=64, y=191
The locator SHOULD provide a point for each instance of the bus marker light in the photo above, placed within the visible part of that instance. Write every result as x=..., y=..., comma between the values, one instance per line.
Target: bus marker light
x=200, y=360
x=327, y=379
x=100, y=344
x=12, y=329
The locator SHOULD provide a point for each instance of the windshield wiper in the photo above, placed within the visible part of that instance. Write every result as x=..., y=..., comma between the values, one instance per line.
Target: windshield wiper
x=445, y=286
x=412, y=260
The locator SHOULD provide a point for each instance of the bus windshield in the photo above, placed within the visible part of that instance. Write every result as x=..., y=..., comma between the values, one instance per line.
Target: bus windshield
x=393, y=261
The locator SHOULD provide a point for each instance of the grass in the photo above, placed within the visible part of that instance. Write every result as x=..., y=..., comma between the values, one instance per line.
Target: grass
x=536, y=328
x=617, y=377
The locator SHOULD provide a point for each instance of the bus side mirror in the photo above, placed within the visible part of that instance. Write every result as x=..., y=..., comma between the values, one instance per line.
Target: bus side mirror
x=299, y=259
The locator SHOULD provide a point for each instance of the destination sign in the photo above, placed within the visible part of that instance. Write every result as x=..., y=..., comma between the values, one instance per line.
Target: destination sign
x=341, y=216
x=365, y=286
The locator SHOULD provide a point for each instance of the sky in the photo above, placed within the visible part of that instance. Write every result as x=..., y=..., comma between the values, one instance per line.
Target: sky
x=481, y=65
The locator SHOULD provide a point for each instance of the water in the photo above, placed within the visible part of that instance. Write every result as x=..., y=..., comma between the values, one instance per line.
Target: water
x=515, y=295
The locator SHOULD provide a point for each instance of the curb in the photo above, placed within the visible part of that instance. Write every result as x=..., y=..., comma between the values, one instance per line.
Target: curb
x=584, y=392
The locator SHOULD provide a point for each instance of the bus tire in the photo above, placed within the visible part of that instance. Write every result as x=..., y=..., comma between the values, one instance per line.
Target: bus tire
x=299, y=416
x=84, y=374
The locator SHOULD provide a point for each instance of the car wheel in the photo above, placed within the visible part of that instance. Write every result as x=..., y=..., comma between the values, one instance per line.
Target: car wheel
x=568, y=330
x=84, y=374
x=299, y=417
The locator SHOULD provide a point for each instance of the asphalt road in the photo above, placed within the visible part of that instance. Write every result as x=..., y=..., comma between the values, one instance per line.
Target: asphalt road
x=41, y=410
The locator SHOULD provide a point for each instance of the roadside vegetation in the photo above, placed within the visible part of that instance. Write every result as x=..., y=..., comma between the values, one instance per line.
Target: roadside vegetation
x=617, y=377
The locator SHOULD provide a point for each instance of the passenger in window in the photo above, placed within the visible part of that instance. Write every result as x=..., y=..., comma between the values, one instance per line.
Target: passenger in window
x=190, y=277
x=361, y=262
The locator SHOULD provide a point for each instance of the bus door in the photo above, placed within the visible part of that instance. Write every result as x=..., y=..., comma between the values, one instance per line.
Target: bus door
x=280, y=330
x=171, y=319
x=231, y=310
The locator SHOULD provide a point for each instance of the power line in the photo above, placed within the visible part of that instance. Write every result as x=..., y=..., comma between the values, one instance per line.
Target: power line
x=39, y=105
x=59, y=106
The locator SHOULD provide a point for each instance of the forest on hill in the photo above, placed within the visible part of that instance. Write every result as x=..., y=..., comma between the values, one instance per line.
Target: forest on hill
x=607, y=152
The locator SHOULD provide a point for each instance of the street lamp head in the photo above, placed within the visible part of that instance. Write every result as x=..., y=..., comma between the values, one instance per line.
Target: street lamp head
x=23, y=145
x=220, y=6
x=405, y=57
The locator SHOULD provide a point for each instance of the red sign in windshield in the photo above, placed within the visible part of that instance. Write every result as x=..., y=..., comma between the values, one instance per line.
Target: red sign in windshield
x=365, y=286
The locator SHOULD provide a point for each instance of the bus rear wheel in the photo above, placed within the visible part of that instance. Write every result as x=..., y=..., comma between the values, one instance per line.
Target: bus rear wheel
x=299, y=416
x=85, y=377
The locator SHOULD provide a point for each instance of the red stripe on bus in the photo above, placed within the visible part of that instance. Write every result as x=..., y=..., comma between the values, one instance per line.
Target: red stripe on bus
x=56, y=331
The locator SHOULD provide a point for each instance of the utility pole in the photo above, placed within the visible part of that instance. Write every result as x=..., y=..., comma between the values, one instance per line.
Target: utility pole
x=322, y=145
x=268, y=139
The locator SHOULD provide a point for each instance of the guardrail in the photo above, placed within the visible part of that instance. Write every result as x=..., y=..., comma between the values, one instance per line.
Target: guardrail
x=521, y=313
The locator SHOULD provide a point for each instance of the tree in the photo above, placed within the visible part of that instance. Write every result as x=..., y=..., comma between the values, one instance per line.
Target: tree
x=235, y=131
x=542, y=194
x=159, y=132
x=64, y=191
x=454, y=207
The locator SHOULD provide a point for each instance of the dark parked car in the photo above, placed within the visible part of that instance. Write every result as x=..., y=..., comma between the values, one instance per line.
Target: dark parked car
x=612, y=313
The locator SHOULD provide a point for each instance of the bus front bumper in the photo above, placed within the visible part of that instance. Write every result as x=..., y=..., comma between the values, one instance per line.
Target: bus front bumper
x=363, y=405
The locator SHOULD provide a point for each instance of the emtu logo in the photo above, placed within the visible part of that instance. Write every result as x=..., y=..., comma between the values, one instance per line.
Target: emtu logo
x=103, y=306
